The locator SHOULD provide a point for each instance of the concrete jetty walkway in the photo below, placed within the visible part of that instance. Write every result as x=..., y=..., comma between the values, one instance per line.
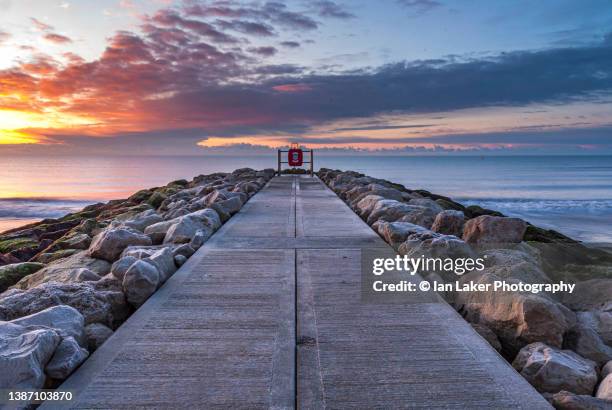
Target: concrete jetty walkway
x=268, y=314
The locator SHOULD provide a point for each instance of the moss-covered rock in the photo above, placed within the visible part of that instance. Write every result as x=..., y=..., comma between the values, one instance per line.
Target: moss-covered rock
x=49, y=257
x=535, y=234
x=10, y=245
x=11, y=274
x=450, y=205
x=140, y=196
x=474, y=211
x=156, y=199
x=180, y=182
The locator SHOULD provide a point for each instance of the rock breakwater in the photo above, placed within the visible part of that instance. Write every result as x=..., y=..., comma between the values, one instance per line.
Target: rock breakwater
x=561, y=343
x=66, y=284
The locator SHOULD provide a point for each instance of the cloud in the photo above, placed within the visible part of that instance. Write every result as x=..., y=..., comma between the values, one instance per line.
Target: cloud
x=4, y=37
x=247, y=27
x=57, y=38
x=382, y=127
x=290, y=44
x=170, y=18
x=271, y=12
x=330, y=9
x=265, y=51
x=292, y=88
x=420, y=6
x=39, y=25
x=180, y=71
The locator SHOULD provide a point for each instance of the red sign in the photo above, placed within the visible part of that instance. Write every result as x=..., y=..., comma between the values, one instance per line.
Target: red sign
x=296, y=157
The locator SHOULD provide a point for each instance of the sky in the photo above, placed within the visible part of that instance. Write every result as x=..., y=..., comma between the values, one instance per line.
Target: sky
x=396, y=76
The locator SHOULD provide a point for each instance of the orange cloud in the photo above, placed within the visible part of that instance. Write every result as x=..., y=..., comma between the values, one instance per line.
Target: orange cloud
x=292, y=88
x=57, y=38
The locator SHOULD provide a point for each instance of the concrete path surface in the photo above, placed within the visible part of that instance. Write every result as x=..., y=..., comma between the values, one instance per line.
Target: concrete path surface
x=269, y=314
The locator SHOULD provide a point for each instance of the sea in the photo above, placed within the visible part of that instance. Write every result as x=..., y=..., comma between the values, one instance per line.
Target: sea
x=571, y=194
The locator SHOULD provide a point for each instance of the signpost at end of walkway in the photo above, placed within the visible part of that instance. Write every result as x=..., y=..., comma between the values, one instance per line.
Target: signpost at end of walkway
x=295, y=157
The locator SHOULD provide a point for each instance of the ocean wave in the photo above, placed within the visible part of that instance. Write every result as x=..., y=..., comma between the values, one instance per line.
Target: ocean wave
x=556, y=205
x=21, y=208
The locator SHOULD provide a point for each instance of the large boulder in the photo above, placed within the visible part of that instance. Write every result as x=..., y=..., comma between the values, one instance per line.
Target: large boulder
x=186, y=227
x=604, y=391
x=157, y=232
x=516, y=318
x=395, y=233
x=427, y=203
x=96, y=334
x=140, y=281
x=23, y=355
x=73, y=241
x=449, y=222
x=435, y=245
x=584, y=339
x=230, y=206
x=122, y=265
x=367, y=204
x=209, y=216
x=494, y=230
x=67, y=357
x=519, y=263
x=65, y=320
x=419, y=215
x=589, y=294
x=565, y=400
x=357, y=193
x=67, y=270
x=391, y=210
x=13, y=273
x=185, y=250
x=163, y=259
x=143, y=220
x=551, y=370
x=179, y=260
x=109, y=244
x=96, y=305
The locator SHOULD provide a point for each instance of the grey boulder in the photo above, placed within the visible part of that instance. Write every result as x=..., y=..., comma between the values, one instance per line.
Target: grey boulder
x=122, y=265
x=494, y=230
x=186, y=227
x=96, y=334
x=67, y=270
x=395, y=233
x=109, y=244
x=163, y=259
x=96, y=305
x=67, y=357
x=157, y=232
x=565, y=400
x=551, y=370
x=584, y=339
x=180, y=260
x=143, y=220
x=449, y=222
x=65, y=320
x=24, y=354
x=140, y=281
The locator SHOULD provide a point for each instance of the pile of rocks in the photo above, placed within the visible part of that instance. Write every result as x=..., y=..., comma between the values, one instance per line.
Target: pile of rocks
x=561, y=344
x=67, y=284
